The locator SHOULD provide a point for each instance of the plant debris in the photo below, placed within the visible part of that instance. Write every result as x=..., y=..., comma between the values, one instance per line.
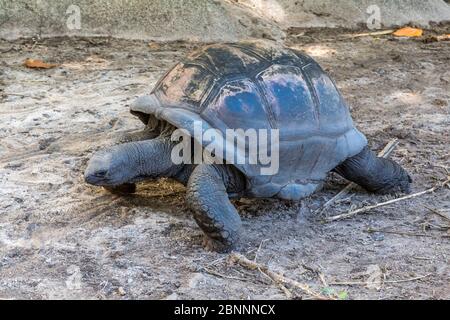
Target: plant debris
x=408, y=32
x=38, y=64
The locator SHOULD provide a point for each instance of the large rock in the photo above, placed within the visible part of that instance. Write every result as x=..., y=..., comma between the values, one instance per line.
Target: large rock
x=205, y=20
x=349, y=13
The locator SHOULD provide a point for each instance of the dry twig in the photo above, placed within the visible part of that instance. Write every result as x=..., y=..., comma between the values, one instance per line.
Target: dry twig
x=259, y=248
x=437, y=212
x=276, y=277
x=220, y=275
x=381, y=204
x=285, y=290
x=352, y=283
x=403, y=233
x=365, y=34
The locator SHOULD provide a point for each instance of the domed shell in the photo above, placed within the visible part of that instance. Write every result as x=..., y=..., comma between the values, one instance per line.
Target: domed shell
x=259, y=85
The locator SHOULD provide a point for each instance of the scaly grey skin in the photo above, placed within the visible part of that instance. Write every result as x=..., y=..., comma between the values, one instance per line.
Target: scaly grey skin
x=133, y=162
x=101, y=163
x=375, y=174
x=209, y=187
x=208, y=192
x=146, y=134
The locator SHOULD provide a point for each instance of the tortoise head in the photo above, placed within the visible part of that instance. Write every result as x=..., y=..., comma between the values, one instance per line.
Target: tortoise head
x=132, y=162
x=111, y=167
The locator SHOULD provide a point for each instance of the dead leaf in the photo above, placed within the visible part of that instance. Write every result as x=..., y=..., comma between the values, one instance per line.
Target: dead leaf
x=38, y=64
x=408, y=32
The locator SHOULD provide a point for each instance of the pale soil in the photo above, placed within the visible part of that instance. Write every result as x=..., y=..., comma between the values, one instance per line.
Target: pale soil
x=61, y=238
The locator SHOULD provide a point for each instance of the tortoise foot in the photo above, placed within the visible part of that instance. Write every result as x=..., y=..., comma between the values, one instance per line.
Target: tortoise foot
x=216, y=246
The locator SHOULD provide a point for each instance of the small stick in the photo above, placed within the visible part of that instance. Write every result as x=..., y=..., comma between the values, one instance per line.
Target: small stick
x=350, y=283
x=422, y=258
x=387, y=150
x=16, y=95
x=322, y=279
x=375, y=33
x=368, y=208
x=216, y=261
x=437, y=212
x=443, y=167
x=402, y=233
x=243, y=261
x=259, y=248
x=217, y=274
x=7, y=50
x=285, y=290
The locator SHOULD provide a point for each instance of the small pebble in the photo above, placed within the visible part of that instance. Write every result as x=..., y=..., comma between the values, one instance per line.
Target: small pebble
x=121, y=291
x=377, y=236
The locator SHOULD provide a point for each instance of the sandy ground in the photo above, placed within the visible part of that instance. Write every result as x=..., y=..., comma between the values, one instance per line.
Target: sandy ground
x=61, y=238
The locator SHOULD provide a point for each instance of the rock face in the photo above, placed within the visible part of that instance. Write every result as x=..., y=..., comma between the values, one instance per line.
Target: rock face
x=349, y=13
x=205, y=20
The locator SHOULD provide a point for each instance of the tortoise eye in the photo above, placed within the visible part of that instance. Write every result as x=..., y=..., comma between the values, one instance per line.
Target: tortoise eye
x=101, y=173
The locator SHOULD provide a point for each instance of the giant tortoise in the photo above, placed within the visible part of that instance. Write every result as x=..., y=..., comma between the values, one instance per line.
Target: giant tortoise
x=249, y=85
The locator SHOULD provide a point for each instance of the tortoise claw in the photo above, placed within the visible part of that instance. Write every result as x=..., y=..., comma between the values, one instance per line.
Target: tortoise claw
x=216, y=246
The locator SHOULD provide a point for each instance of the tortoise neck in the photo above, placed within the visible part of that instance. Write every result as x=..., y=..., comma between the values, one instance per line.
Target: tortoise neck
x=151, y=158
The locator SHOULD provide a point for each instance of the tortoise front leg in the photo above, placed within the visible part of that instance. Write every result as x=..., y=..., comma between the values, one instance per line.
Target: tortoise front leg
x=208, y=191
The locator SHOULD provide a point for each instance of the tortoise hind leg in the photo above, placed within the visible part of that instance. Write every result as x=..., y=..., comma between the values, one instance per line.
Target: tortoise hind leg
x=375, y=174
x=207, y=195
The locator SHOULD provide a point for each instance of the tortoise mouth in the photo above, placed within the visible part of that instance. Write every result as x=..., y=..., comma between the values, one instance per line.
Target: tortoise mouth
x=97, y=180
x=102, y=180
